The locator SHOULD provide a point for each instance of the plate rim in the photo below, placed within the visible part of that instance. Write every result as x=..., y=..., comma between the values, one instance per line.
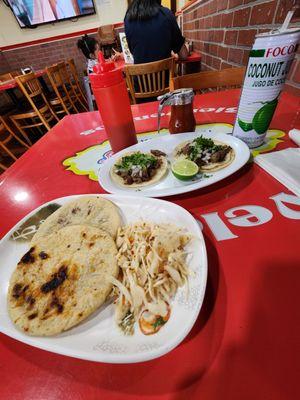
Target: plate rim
x=108, y=357
x=104, y=170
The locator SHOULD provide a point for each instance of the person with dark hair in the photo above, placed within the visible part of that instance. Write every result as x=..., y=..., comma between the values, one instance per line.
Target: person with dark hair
x=152, y=32
x=90, y=49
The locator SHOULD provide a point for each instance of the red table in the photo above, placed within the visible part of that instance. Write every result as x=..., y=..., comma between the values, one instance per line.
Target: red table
x=11, y=84
x=245, y=343
x=193, y=57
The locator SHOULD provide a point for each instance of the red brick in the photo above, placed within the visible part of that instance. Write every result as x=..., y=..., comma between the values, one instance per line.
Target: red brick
x=283, y=7
x=223, y=52
x=216, y=21
x=263, y=30
x=197, y=46
x=296, y=74
x=213, y=6
x=206, y=47
x=226, y=20
x=292, y=69
x=205, y=9
x=246, y=37
x=292, y=89
x=222, y=4
x=235, y=55
x=213, y=49
x=245, y=57
x=199, y=12
x=216, y=63
x=210, y=35
x=241, y=17
x=234, y=3
x=263, y=13
x=208, y=60
x=218, y=36
x=226, y=65
x=230, y=37
x=208, y=22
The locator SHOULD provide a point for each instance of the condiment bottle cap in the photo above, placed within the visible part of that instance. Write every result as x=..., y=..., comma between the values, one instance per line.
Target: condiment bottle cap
x=105, y=73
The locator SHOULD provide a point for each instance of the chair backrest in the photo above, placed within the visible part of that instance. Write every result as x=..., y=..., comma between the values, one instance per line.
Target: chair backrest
x=209, y=80
x=32, y=90
x=6, y=77
x=55, y=78
x=72, y=68
x=15, y=73
x=2, y=128
x=106, y=32
x=150, y=79
x=65, y=76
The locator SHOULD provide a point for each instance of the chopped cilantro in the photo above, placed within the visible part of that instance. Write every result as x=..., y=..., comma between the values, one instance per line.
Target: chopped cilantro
x=159, y=322
x=198, y=145
x=137, y=159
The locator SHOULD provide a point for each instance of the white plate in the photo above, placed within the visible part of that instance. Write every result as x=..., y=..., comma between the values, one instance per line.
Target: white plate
x=98, y=338
x=169, y=185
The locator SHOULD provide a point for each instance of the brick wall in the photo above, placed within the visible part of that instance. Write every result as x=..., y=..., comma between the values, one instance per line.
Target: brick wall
x=224, y=30
x=41, y=55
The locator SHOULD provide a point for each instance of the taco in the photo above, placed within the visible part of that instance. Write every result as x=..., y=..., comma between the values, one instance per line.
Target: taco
x=210, y=155
x=137, y=169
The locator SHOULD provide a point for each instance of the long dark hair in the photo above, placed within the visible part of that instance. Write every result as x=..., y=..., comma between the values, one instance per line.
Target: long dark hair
x=143, y=9
x=87, y=45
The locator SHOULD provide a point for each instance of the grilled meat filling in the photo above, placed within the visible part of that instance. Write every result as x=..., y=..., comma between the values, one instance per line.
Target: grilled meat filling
x=138, y=168
x=204, y=151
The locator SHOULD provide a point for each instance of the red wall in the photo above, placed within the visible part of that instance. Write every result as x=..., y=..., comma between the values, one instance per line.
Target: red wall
x=224, y=30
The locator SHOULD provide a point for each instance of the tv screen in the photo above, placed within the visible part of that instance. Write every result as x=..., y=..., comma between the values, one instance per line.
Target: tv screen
x=36, y=12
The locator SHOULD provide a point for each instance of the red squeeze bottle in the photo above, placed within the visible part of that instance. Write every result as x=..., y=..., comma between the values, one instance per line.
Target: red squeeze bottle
x=112, y=98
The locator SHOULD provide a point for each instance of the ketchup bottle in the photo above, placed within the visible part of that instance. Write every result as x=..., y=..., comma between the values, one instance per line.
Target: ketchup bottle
x=112, y=98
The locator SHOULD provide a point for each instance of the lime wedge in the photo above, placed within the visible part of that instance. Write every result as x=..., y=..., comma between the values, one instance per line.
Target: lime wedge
x=185, y=169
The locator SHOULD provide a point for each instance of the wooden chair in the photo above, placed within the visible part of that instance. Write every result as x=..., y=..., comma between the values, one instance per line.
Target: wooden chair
x=6, y=135
x=68, y=85
x=210, y=80
x=60, y=101
x=39, y=114
x=150, y=79
x=107, y=39
x=76, y=84
x=6, y=77
x=2, y=167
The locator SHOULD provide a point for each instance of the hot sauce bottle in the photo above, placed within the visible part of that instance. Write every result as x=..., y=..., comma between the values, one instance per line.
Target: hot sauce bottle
x=182, y=113
x=112, y=99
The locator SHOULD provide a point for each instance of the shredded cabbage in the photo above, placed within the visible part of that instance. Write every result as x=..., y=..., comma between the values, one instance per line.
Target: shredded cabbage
x=153, y=265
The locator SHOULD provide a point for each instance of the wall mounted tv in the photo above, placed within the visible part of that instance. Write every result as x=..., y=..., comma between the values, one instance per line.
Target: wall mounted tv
x=31, y=13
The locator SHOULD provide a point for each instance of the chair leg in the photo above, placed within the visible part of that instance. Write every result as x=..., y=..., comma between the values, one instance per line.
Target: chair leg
x=81, y=94
x=3, y=167
x=82, y=104
x=20, y=140
x=8, y=151
x=53, y=113
x=22, y=131
x=16, y=136
x=73, y=104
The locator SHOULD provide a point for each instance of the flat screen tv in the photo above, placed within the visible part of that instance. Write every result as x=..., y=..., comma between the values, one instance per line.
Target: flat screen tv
x=31, y=13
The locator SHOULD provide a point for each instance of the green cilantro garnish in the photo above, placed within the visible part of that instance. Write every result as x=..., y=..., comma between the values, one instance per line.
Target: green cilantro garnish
x=159, y=322
x=200, y=144
x=137, y=159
